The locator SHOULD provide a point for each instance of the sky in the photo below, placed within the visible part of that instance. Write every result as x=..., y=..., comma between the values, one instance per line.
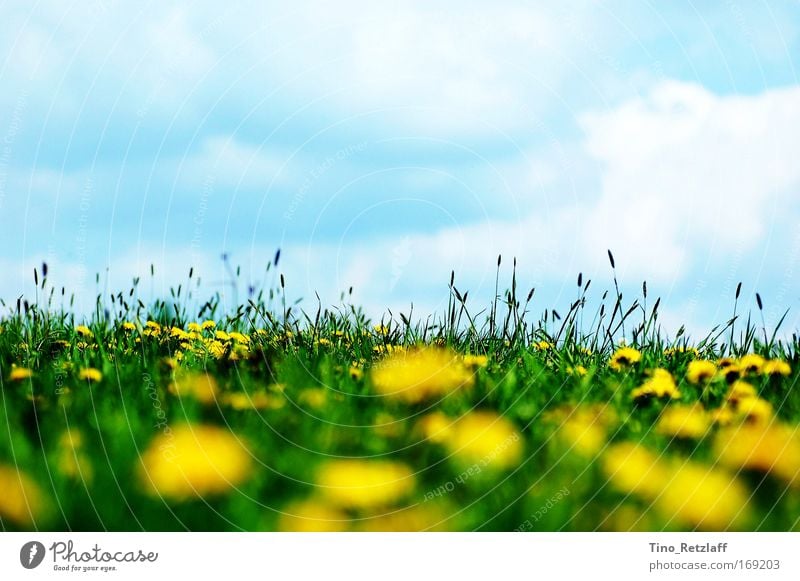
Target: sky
x=382, y=145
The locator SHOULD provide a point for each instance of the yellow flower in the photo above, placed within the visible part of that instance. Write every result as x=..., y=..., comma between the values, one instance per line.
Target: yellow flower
x=20, y=374
x=21, y=501
x=772, y=447
x=435, y=427
x=256, y=400
x=381, y=329
x=73, y=463
x=194, y=327
x=323, y=342
x=700, y=371
x=583, y=429
x=485, y=439
x=193, y=460
x=476, y=360
x=239, y=337
x=755, y=410
x=704, y=497
x=128, y=326
x=578, y=370
x=660, y=384
x=419, y=374
x=739, y=391
x=312, y=516
x=543, y=345
x=90, y=374
x=313, y=397
x=632, y=468
x=684, y=421
x=623, y=358
x=777, y=367
x=751, y=364
x=200, y=386
x=84, y=331
x=356, y=372
x=364, y=484
x=208, y=325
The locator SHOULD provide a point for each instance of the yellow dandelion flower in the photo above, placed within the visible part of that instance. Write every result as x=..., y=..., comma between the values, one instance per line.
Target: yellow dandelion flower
x=578, y=371
x=701, y=371
x=128, y=326
x=323, y=342
x=84, y=331
x=623, y=358
x=703, y=497
x=314, y=397
x=684, y=421
x=486, y=439
x=771, y=447
x=420, y=374
x=740, y=391
x=543, y=345
x=755, y=410
x=777, y=367
x=20, y=374
x=239, y=337
x=364, y=484
x=356, y=372
x=435, y=427
x=631, y=468
x=90, y=374
x=660, y=384
x=21, y=501
x=194, y=327
x=476, y=360
x=200, y=386
x=208, y=325
x=222, y=336
x=72, y=462
x=256, y=400
x=312, y=516
x=751, y=364
x=193, y=460
x=582, y=429
x=381, y=329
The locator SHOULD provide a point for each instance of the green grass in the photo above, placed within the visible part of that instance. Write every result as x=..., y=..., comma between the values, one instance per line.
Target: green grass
x=317, y=408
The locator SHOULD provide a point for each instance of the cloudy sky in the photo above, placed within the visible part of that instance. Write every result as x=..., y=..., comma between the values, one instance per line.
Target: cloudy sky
x=381, y=145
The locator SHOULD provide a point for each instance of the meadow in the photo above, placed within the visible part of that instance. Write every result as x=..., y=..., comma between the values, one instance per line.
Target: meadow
x=282, y=417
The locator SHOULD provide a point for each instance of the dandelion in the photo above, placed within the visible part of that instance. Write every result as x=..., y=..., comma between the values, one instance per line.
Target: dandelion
x=583, y=428
x=20, y=374
x=771, y=447
x=776, y=367
x=193, y=460
x=684, y=421
x=475, y=361
x=73, y=463
x=356, y=372
x=364, y=484
x=631, y=468
x=312, y=516
x=256, y=400
x=200, y=386
x=194, y=327
x=315, y=398
x=700, y=371
x=208, y=325
x=486, y=439
x=703, y=497
x=128, y=326
x=21, y=502
x=623, y=358
x=420, y=374
x=660, y=384
x=739, y=391
x=754, y=410
x=435, y=427
x=751, y=364
x=90, y=375
x=84, y=331
x=578, y=371
x=543, y=345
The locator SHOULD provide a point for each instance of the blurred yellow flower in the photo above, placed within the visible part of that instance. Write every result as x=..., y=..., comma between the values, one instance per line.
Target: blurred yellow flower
x=312, y=516
x=364, y=484
x=476, y=360
x=772, y=447
x=700, y=371
x=21, y=500
x=486, y=439
x=415, y=375
x=684, y=421
x=435, y=426
x=751, y=363
x=128, y=326
x=624, y=357
x=632, y=468
x=84, y=331
x=739, y=391
x=255, y=400
x=200, y=386
x=73, y=463
x=583, y=428
x=660, y=384
x=754, y=410
x=20, y=374
x=578, y=370
x=208, y=325
x=777, y=367
x=704, y=497
x=193, y=460
x=90, y=374
x=313, y=397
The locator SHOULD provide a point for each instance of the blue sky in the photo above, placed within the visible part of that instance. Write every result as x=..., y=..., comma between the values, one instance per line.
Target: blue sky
x=381, y=146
